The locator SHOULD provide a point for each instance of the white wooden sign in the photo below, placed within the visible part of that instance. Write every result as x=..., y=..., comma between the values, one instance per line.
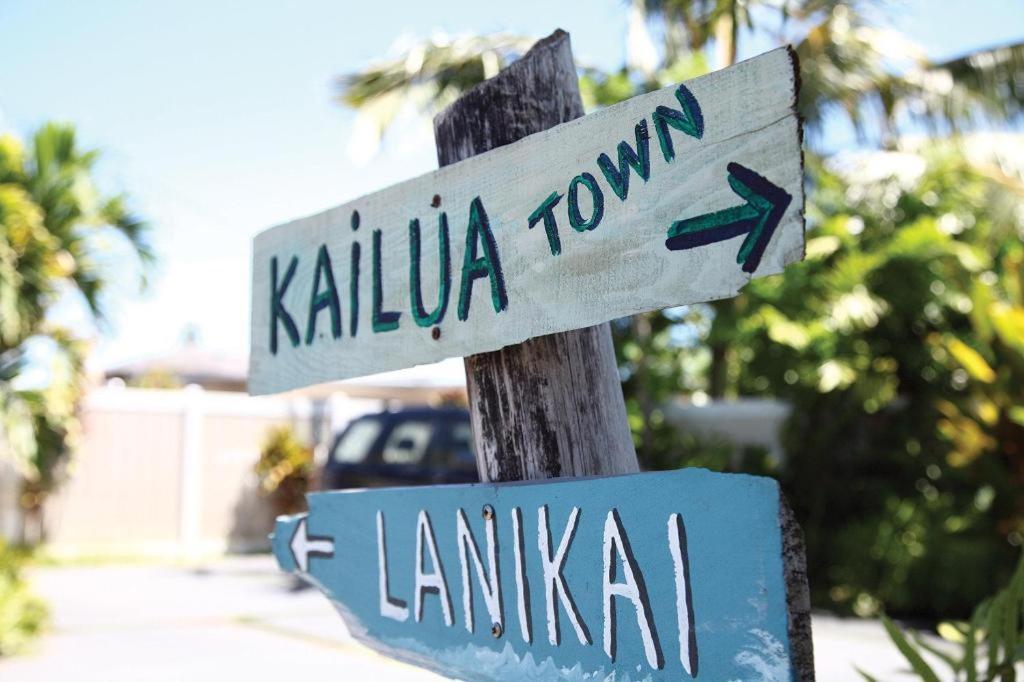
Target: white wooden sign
x=674, y=197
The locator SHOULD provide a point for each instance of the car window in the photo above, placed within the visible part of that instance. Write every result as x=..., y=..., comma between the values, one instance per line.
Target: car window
x=461, y=455
x=354, y=445
x=407, y=443
x=462, y=436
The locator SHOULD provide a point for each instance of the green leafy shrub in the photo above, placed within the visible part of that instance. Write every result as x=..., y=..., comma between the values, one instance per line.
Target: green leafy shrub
x=283, y=469
x=983, y=649
x=54, y=222
x=898, y=343
x=22, y=614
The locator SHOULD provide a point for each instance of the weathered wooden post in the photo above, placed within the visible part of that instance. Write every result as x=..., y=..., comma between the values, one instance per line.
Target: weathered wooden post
x=515, y=258
x=552, y=405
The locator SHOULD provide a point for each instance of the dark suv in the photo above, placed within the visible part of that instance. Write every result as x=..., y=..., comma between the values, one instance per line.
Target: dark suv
x=412, y=446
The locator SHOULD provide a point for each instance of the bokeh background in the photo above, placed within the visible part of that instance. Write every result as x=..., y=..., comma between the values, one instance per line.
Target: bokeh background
x=143, y=145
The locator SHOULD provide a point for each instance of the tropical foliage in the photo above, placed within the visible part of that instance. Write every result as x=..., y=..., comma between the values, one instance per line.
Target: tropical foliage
x=876, y=78
x=429, y=75
x=985, y=648
x=898, y=341
x=55, y=237
x=284, y=469
x=22, y=614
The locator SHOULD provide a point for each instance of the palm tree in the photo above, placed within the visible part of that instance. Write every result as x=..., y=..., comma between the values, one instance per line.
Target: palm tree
x=849, y=65
x=54, y=229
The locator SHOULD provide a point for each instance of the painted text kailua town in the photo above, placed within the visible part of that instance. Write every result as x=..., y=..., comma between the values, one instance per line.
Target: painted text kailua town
x=669, y=198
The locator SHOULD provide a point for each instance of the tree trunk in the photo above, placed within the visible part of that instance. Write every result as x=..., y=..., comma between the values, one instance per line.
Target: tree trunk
x=552, y=405
x=644, y=337
x=718, y=372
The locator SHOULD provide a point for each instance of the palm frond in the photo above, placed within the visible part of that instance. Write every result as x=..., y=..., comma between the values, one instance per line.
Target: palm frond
x=12, y=159
x=115, y=213
x=993, y=637
x=53, y=219
x=428, y=75
x=89, y=284
x=914, y=658
x=689, y=25
x=17, y=435
x=982, y=86
x=845, y=68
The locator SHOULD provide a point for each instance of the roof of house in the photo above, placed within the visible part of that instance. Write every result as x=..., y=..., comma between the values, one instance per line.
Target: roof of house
x=190, y=364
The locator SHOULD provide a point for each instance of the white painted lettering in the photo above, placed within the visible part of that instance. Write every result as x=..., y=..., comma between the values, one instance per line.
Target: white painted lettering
x=616, y=543
x=433, y=582
x=554, y=582
x=390, y=607
x=684, y=599
x=490, y=582
x=522, y=582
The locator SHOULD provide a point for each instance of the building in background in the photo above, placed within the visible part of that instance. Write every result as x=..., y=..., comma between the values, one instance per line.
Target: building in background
x=165, y=464
x=166, y=460
x=188, y=364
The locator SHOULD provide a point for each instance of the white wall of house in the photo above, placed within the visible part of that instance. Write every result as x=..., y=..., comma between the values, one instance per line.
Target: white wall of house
x=10, y=510
x=744, y=422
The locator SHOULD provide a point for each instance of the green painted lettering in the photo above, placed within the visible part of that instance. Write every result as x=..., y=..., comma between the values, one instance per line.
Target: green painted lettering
x=328, y=298
x=487, y=265
x=383, y=320
x=546, y=212
x=444, y=275
x=689, y=119
x=353, y=291
x=597, y=212
x=277, y=309
x=639, y=160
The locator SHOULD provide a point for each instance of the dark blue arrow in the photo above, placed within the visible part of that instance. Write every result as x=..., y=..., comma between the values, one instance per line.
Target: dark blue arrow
x=758, y=218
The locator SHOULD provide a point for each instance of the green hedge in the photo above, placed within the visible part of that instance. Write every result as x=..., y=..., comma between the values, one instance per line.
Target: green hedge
x=22, y=614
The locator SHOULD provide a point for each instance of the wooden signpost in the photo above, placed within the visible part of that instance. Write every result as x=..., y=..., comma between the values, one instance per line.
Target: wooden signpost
x=539, y=228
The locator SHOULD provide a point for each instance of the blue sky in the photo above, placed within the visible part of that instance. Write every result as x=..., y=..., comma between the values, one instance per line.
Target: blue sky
x=217, y=118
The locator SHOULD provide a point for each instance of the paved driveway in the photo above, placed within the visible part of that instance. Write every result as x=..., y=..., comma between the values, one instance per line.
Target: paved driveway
x=236, y=619
x=239, y=619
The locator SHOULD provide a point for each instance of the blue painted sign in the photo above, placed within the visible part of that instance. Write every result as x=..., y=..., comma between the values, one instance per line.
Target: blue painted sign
x=671, y=575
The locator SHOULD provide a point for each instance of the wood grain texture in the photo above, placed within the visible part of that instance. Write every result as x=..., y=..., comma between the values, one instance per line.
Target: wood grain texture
x=798, y=594
x=552, y=405
x=620, y=267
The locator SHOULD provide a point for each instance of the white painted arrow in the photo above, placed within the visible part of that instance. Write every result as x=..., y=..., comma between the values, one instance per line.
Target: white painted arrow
x=303, y=546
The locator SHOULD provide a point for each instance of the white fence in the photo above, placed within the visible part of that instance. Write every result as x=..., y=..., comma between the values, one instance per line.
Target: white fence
x=743, y=422
x=171, y=471
x=10, y=519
